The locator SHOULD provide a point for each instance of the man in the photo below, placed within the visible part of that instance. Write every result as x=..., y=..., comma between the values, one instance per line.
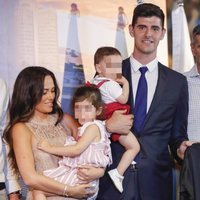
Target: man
x=193, y=78
x=8, y=180
x=165, y=123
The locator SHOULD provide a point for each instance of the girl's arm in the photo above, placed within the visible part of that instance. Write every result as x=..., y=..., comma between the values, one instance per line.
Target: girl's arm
x=123, y=98
x=91, y=134
x=22, y=143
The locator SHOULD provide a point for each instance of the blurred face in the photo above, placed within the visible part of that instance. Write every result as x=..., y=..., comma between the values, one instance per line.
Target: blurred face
x=121, y=10
x=195, y=46
x=85, y=112
x=110, y=67
x=147, y=33
x=45, y=106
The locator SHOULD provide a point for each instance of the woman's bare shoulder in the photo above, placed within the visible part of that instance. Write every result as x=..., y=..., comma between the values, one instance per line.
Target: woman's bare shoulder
x=70, y=124
x=20, y=125
x=67, y=117
x=21, y=128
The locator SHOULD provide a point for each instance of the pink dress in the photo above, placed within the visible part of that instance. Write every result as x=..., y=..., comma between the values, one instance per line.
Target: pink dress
x=97, y=154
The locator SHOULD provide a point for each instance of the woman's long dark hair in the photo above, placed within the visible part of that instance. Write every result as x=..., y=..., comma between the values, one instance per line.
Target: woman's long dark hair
x=27, y=93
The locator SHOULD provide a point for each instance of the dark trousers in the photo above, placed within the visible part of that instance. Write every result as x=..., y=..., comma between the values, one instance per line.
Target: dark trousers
x=107, y=190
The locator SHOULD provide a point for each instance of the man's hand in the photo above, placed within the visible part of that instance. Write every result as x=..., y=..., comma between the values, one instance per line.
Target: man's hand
x=181, y=150
x=14, y=196
x=119, y=123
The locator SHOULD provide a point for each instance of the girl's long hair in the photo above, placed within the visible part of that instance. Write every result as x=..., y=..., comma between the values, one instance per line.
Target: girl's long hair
x=27, y=93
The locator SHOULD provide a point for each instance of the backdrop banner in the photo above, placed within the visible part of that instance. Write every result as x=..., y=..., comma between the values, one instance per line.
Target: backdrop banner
x=181, y=52
x=63, y=37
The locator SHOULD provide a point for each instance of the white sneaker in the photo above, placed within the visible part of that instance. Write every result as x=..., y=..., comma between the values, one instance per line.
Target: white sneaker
x=117, y=179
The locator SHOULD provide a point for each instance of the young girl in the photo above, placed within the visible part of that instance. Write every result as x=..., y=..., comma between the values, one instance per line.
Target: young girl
x=90, y=147
x=108, y=64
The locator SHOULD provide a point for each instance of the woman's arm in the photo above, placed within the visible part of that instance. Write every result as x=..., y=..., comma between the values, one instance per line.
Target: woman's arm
x=91, y=134
x=22, y=143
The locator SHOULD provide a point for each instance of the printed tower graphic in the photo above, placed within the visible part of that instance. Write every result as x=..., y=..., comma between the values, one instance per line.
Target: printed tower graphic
x=73, y=71
x=120, y=40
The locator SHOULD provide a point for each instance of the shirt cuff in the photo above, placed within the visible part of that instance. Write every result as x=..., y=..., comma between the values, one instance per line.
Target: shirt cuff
x=12, y=186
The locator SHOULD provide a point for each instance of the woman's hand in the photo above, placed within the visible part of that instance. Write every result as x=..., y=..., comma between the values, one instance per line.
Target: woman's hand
x=88, y=173
x=79, y=191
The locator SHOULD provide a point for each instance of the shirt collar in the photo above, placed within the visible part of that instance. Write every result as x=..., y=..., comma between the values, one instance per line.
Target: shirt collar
x=101, y=78
x=135, y=65
x=193, y=72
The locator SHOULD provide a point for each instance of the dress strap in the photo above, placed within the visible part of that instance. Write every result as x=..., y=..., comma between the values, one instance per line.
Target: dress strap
x=101, y=83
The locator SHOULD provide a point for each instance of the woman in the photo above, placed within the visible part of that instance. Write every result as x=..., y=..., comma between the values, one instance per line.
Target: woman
x=35, y=115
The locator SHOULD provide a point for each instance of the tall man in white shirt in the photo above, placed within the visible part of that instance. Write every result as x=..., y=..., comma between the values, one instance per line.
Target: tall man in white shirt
x=9, y=186
x=193, y=78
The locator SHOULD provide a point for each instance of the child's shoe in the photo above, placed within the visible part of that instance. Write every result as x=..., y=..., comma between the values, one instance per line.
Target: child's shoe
x=117, y=179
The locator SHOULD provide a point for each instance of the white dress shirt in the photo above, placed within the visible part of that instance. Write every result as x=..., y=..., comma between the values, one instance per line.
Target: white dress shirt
x=193, y=78
x=6, y=173
x=151, y=77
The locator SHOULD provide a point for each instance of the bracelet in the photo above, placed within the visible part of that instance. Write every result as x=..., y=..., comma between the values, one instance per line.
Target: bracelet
x=65, y=191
